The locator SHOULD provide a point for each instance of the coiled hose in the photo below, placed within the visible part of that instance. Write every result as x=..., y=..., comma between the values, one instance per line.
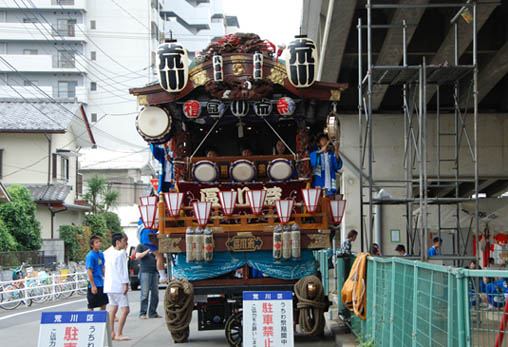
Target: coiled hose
x=178, y=305
x=311, y=305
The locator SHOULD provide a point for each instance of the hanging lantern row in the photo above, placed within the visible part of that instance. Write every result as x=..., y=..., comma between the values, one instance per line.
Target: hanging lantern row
x=148, y=206
x=173, y=64
x=239, y=108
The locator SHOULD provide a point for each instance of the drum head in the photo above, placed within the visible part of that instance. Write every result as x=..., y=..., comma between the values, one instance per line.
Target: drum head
x=153, y=122
x=280, y=170
x=243, y=171
x=205, y=171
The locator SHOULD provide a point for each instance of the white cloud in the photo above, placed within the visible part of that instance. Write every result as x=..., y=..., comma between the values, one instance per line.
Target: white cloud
x=275, y=20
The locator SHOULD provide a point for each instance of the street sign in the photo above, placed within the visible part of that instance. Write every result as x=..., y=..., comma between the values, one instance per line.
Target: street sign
x=268, y=319
x=75, y=329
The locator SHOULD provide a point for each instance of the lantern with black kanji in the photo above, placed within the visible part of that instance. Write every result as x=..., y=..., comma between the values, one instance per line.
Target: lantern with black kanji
x=215, y=108
x=263, y=108
x=172, y=66
x=239, y=108
x=302, y=62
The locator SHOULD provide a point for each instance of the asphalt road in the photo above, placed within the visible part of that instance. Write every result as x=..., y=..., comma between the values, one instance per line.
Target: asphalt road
x=21, y=326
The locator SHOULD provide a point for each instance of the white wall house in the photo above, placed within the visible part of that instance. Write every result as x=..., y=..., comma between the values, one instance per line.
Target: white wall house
x=38, y=149
x=127, y=174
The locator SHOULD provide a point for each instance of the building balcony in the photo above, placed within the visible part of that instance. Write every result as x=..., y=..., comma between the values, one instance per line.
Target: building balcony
x=79, y=94
x=43, y=32
x=49, y=4
x=41, y=63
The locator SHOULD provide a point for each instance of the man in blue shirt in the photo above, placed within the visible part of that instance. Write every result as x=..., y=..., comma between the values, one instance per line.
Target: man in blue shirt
x=166, y=176
x=436, y=243
x=95, y=270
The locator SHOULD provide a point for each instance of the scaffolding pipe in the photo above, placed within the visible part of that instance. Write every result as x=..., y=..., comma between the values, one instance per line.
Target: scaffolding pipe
x=360, y=126
x=369, y=113
x=475, y=120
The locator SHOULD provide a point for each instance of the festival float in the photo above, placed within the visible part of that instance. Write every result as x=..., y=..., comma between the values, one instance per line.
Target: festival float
x=231, y=222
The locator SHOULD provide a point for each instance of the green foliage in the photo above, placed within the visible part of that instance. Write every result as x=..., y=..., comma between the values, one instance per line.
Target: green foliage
x=71, y=236
x=97, y=223
x=111, y=199
x=112, y=222
x=7, y=241
x=97, y=187
x=19, y=219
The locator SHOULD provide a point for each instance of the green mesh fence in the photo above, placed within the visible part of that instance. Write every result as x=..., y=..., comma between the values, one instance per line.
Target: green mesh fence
x=410, y=303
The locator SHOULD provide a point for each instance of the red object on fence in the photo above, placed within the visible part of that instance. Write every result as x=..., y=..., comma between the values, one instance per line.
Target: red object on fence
x=502, y=326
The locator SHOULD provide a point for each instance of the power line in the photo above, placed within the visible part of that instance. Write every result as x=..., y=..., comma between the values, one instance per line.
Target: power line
x=55, y=102
x=79, y=54
x=128, y=13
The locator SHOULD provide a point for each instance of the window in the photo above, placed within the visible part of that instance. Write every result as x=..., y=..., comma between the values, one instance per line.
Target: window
x=64, y=169
x=93, y=85
x=94, y=117
x=79, y=184
x=2, y=16
x=29, y=83
x=53, y=165
x=66, y=27
x=67, y=89
x=63, y=2
x=66, y=59
x=30, y=51
x=92, y=25
x=30, y=20
x=93, y=55
x=3, y=47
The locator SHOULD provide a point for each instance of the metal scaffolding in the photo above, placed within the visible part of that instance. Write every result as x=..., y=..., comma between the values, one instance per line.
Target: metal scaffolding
x=418, y=190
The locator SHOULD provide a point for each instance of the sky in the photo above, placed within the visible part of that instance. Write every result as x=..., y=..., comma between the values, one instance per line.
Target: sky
x=275, y=20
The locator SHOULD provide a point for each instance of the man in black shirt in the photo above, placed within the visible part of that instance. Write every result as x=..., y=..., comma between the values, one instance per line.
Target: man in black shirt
x=149, y=279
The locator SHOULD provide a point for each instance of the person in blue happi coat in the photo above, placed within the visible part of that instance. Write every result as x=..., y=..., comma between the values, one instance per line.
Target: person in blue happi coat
x=166, y=176
x=325, y=164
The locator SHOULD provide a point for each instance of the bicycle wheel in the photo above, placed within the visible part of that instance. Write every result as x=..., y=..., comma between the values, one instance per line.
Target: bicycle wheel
x=66, y=288
x=82, y=288
x=10, y=300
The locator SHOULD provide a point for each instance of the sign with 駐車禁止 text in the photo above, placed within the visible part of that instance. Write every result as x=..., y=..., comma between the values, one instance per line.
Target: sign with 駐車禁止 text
x=268, y=319
x=74, y=329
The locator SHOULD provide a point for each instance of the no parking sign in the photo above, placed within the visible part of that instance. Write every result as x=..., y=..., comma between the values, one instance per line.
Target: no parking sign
x=74, y=329
x=268, y=319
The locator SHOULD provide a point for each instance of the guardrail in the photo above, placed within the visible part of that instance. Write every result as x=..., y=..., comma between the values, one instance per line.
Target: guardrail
x=411, y=303
x=41, y=287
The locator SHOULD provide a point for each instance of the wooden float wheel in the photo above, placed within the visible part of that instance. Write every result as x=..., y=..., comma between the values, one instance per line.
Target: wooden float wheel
x=234, y=329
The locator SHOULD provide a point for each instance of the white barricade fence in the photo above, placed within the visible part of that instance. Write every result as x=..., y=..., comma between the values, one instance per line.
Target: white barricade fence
x=39, y=288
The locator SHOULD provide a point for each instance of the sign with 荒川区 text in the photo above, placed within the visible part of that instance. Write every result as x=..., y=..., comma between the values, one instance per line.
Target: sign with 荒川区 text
x=268, y=319
x=74, y=329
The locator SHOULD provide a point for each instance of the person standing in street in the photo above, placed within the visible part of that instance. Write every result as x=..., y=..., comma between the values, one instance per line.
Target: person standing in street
x=149, y=279
x=436, y=243
x=95, y=269
x=116, y=284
